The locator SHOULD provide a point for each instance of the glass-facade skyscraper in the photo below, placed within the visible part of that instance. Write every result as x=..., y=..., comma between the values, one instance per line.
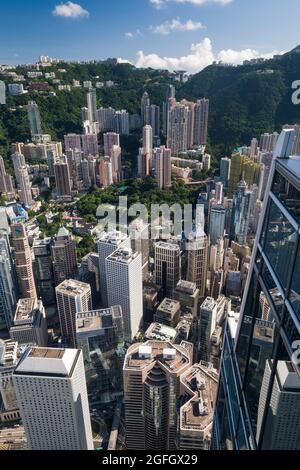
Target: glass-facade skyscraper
x=258, y=403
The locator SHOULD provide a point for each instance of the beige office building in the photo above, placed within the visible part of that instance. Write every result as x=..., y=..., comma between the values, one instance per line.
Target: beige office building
x=23, y=262
x=72, y=297
x=198, y=261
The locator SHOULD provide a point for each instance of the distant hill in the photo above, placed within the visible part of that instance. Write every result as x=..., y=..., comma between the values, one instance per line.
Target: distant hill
x=247, y=100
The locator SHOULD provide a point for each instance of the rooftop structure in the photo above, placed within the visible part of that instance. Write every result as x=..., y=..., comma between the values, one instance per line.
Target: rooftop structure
x=159, y=332
x=47, y=361
x=200, y=382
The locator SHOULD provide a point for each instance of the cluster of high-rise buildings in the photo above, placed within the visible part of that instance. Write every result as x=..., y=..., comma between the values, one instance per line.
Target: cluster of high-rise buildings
x=186, y=342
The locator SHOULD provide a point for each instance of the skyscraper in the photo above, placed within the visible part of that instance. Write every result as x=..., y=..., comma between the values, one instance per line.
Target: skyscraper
x=8, y=282
x=125, y=287
x=92, y=105
x=225, y=170
x=145, y=102
x=201, y=121
x=282, y=423
x=52, y=395
x=64, y=256
x=72, y=297
x=216, y=223
x=25, y=187
x=34, y=119
x=167, y=266
x=2, y=92
x=8, y=361
x=198, y=386
x=18, y=160
x=72, y=142
x=29, y=325
x=170, y=94
x=153, y=118
x=197, y=247
x=110, y=139
x=260, y=359
x=151, y=385
x=23, y=262
x=207, y=325
x=163, y=167
x=90, y=145
x=100, y=335
x=6, y=181
x=121, y=122
x=62, y=178
x=240, y=216
x=43, y=270
x=106, y=245
x=178, y=129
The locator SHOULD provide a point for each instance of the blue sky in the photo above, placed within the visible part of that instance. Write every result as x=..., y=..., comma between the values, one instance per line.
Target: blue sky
x=160, y=33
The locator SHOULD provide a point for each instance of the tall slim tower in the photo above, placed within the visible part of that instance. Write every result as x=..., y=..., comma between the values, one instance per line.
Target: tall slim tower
x=201, y=122
x=25, y=187
x=167, y=266
x=62, y=178
x=6, y=181
x=125, y=287
x=163, y=167
x=43, y=270
x=72, y=297
x=8, y=282
x=23, y=261
x=52, y=395
x=145, y=102
x=34, y=118
x=92, y=105
x=107, y=244
x=197, y=248
x=64, y=256
x=178, y=129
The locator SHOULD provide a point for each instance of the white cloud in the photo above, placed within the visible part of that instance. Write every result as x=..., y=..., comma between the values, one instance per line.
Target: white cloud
x=70, y=10
x=131, y=35
x=161, y=3
x=176, y=25
x=201, y=55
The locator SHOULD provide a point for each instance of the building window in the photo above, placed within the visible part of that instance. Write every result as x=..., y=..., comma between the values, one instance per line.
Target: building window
x=288, y=195
x=280, y=239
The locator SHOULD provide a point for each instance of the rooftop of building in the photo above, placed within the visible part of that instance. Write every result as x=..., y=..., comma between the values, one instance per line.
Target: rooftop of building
x=113, y=237
x=8, y=353
x=173, y=357
x=208, y=304
x=287, y=377
x=169, y=306
x=73, y=287
x=47, y=362
x=25, y=310
x=88, y=322
x=157, y=331
x=201, y=383
x=167, y=246
x=186, y=287
x=123, y=255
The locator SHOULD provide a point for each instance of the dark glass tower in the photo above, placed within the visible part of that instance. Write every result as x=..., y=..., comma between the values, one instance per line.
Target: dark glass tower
x=258, y=404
